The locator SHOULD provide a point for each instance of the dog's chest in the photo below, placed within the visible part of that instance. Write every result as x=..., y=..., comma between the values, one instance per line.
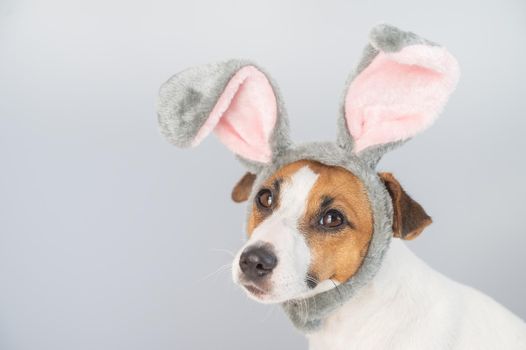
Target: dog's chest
x=410, y=306
x=393, y=311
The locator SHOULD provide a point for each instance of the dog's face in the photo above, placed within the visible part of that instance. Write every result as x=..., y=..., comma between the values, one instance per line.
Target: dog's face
x=309, y=229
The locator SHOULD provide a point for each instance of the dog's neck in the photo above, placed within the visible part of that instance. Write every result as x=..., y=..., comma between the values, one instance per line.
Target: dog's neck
x=397, y=301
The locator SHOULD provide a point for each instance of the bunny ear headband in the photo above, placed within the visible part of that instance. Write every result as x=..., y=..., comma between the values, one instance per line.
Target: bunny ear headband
x=397, y=90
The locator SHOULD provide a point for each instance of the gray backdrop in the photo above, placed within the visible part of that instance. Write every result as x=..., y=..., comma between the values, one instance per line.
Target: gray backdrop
x=110, y=237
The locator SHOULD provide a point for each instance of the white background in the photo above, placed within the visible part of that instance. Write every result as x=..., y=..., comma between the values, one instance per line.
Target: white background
x=107, y=233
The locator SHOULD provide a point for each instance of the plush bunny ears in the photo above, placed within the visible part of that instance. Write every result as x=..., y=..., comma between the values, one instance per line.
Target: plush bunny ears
x=398, y=89
x=235, y=99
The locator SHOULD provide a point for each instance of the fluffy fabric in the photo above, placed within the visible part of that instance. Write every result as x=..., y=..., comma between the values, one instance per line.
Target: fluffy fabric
x=399, y=94
x=398, y=88
x=244, y=116
x=235, y=99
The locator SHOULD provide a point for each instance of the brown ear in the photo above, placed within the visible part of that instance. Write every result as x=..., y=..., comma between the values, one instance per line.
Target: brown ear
x=409, y=218
x=242, y=189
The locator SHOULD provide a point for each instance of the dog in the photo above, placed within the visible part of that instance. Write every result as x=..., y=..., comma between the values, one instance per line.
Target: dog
x=309, y=228
x=325, y=228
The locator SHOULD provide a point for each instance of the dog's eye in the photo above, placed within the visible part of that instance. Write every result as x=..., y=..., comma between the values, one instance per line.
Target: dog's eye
x=332, y=218
x=264, y=198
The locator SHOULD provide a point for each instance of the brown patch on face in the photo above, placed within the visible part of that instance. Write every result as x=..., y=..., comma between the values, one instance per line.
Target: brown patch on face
x=338, y=252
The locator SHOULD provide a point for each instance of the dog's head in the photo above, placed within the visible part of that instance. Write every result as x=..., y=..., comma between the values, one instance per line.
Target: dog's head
x=309, y=229
x=318, y=213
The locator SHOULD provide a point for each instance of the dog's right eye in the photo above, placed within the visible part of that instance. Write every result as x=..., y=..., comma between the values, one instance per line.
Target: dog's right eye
x=264, y=198
x=332, y=219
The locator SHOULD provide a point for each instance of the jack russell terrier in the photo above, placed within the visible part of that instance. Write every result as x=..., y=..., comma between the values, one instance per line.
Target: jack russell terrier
x=320, y=217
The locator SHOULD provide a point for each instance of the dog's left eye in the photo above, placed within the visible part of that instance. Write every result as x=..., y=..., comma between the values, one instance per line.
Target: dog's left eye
x=265, y=199
x=331, y=219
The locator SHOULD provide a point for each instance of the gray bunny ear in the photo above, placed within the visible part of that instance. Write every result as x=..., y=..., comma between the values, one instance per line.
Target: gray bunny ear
x=398, y=89
x=235, y=100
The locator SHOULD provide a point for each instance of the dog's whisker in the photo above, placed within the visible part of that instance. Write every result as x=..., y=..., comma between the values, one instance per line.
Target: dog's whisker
x=312, y=279
x=220, y=269
x=304, y=304
x=269, y=313
x=315, y=305
x=306, y=310
x=222, y=250
x=338, y=290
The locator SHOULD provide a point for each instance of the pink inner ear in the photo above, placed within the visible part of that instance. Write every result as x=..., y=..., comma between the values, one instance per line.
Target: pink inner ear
x=399, y=94
x=244, y=115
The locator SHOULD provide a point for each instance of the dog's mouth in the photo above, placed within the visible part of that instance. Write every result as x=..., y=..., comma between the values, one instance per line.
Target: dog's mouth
x=255, y=291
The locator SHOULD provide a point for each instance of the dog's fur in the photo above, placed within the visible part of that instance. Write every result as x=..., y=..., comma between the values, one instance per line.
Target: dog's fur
x=413, y=306
x=322, y=219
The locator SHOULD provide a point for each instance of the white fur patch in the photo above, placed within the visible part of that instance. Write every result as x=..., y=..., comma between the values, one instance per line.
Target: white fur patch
x=281, y=230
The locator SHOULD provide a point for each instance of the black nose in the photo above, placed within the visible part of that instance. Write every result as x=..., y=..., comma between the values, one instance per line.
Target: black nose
x=256, y=262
